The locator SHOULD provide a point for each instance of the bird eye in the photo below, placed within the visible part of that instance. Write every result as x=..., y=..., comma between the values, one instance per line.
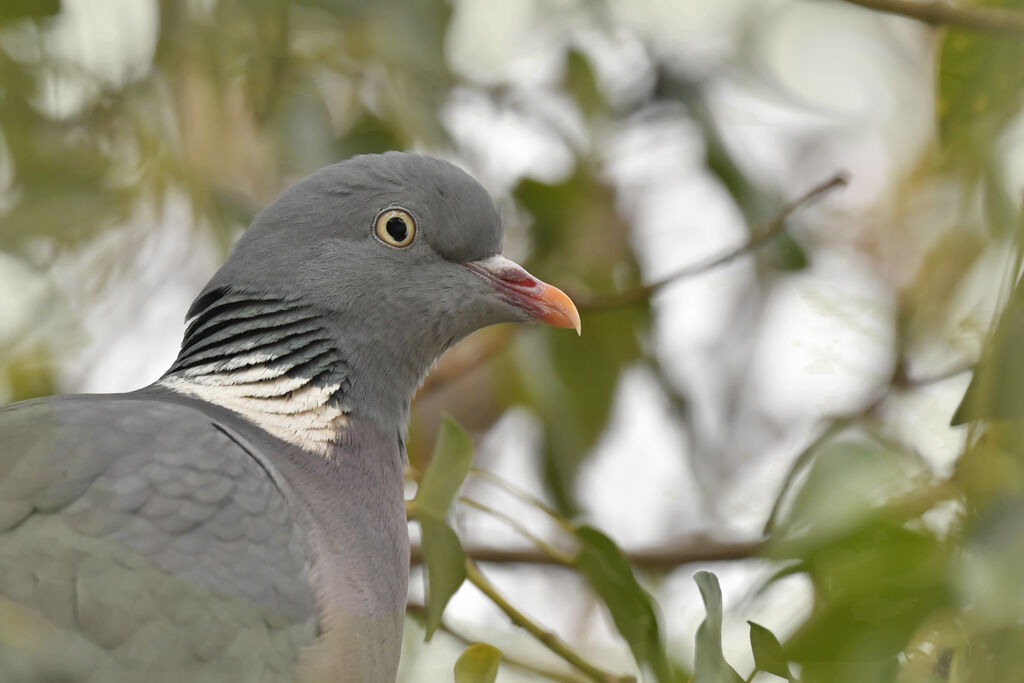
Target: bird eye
x=396, y=227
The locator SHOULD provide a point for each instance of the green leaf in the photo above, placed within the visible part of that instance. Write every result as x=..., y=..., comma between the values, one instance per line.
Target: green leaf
x=568, y=381
x=847, y=486
x=443, y=557
x=877, y=576
x=874, y=589
x=581, y=83
x=999, y=207
x=28, y=373
x=768, y=655
x=478, y=664
x=631, y=607
x=710, y=665
x=369, y=135
x=941, y=273
x=787, y=254
x=11, y=10
x=574, y=390
x=453, y=453
x=988, y=574
x=995, y=390
x=979, y=88
x=445, y=565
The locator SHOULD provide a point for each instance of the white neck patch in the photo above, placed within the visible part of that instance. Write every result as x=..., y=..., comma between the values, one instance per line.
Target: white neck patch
x=290, y=408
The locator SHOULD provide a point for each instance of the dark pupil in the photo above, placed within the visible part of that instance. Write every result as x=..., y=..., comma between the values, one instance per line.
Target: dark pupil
x=397, y=228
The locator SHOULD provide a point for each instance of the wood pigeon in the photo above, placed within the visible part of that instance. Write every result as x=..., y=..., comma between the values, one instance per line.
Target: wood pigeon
x=242, y=518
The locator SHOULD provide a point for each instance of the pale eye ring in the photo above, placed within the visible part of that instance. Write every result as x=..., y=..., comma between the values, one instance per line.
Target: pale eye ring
x=395, y=227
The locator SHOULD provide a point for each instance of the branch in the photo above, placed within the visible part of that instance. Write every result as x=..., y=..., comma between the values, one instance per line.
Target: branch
x=419, y=612
x=557, y=555
x=524, y=496
x=900, y=380
x=837, y=425
x=775, y=228
x=904, y=381
x=548, y=638
x=936, y=13
x=924, y=499
x=660, y=559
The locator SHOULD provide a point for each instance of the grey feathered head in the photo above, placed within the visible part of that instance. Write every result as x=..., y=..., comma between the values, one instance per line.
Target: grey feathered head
x=399, y=255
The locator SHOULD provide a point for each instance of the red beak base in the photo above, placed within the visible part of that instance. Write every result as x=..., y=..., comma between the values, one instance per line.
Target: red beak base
x=540, y=300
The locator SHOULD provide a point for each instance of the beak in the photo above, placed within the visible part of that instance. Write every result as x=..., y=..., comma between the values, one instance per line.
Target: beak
x=518, y=288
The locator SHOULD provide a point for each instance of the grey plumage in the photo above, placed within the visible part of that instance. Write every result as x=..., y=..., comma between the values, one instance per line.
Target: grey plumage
x=123, y=553
x=242, y=518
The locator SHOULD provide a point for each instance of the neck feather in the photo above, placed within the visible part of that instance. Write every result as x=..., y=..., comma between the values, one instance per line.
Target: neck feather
x=270, y=360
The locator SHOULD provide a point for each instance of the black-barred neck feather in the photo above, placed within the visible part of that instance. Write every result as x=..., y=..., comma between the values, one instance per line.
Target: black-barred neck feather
x=271, y=360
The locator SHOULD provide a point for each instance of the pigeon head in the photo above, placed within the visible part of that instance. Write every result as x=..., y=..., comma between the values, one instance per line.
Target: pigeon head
x=397, y=256
x=400, y=243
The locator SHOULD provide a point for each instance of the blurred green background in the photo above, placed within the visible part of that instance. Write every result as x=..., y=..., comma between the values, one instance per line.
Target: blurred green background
x=781, y=419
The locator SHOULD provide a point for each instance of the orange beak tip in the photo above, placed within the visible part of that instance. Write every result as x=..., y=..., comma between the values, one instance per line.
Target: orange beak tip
x=560, y=310
x=541, y=302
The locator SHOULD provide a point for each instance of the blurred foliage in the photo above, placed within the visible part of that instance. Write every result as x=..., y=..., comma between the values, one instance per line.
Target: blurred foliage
x=607, y=569
x=28, y=9
x=875, y=579
x=980, y=84
x=768, y=654
x=478, y=664
x=576, y=222
x=995, y=393
x=710, y=665
x=442, y=552
x=914, y=572
x=28, y=373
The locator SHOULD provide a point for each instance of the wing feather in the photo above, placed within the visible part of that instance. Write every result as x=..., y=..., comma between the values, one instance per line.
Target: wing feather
x=137, y=538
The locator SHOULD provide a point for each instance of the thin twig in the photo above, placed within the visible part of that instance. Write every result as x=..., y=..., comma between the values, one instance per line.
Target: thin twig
x=555, y=554
x=653, y=560
x=524, y=496
x=547, y=638
x=936, y=13
x=923, y=499
x=775, y=228
x=904, y=381
x=418, y=611
x=900, y=379
x=837, y=425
